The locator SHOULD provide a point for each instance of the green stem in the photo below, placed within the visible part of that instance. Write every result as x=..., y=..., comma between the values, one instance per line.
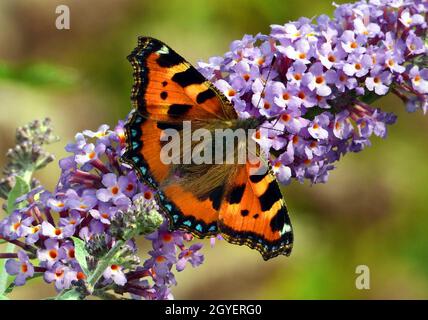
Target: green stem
x=103, y=264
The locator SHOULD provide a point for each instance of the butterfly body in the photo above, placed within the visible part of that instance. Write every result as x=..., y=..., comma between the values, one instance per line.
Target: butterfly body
x=205, y=199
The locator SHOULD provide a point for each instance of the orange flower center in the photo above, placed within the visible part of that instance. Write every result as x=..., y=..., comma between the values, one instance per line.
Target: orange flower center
x=354, y=45
x=231, y=92
x=331, y=58
x=160, y=259
x=295, y=139
x=92, y=155
x=71, y=253
x=286, y=96
x=285, y=117
x=58, y=232
x=115, y=190
x=167, y=237
x=358, y=66
x=301, y=95
x=297, y=76
x=53, y=254
x=24, y=268
x=246, y=77
x=319, y=79
x=302, y=55
x=147, y=195
x=80, y=276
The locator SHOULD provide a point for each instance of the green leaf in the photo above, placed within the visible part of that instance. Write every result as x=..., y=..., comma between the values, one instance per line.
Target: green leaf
x=4, y=276
x=81, y=253
x=20, y=188
x=3, y=297
x=71, y=294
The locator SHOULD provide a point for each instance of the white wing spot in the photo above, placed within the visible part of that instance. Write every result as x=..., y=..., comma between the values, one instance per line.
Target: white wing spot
x=163, y=50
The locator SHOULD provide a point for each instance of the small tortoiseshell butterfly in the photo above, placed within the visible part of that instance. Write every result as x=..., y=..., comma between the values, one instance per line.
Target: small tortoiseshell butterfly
x=207, y=199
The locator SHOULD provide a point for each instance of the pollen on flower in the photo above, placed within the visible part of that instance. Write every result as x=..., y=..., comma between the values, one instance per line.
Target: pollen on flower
x=298, y=76
x=129, y=187
x=354, y=45
x=71, y=253
x=58, y=232
x=104, y=215
x=376, y=79
x=316, y=126
x=331, y=58
x=301, y=95
x=307, y=162
x=246, y=77
x=92, y=155
x=302, y=55
x=358, y=66
x=313, y=144
x=114, y=267
x=16, y=226
x=266, y=105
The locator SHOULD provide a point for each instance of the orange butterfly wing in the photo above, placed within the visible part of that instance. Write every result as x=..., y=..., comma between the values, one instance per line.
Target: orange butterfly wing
x=254, y=213
x=168, y=90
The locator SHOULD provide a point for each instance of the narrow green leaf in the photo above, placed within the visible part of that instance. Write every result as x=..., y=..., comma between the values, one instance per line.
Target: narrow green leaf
x=4, y=276
x=20, y=188
x=81, y=253
x=71, y=294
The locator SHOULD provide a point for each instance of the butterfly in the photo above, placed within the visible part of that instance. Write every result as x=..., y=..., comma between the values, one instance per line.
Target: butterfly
x=203, y=199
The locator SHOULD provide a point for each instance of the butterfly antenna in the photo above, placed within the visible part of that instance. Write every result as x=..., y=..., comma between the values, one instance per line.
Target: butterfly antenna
x=266, y=81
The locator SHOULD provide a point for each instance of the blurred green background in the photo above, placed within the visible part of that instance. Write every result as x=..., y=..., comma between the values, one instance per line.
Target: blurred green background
x=372, y=212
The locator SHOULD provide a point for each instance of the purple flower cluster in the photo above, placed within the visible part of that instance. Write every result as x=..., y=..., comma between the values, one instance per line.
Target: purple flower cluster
x=315, y=82
x=94, y=198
